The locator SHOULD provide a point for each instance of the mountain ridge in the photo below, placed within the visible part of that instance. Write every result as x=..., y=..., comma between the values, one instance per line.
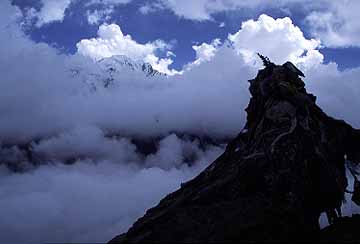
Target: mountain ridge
x=110, y=70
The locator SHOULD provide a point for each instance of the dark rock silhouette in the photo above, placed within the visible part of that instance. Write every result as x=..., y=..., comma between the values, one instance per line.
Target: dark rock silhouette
x=275, y=178
x=344, y=230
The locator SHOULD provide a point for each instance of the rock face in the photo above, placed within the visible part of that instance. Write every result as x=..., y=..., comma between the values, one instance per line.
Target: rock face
x=275, y=178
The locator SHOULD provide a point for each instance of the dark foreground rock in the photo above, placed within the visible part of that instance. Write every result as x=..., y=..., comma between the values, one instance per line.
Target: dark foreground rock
x=343, y=230
x=273, y=181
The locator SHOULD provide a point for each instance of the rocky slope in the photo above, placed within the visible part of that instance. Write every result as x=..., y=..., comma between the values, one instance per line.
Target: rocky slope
x=283, y=170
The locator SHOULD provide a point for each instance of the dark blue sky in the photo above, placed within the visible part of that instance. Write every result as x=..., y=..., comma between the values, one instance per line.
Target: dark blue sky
x=163, y=24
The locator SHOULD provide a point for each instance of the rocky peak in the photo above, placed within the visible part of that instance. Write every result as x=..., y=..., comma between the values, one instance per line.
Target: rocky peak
x=283, y=170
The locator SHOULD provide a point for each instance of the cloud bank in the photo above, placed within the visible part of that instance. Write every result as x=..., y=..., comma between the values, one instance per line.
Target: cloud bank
x=96, y=198
x=112, y=181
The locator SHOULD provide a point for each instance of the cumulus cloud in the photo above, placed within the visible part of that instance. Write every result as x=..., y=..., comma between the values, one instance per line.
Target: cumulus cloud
x=287, y=41
x=111, y=41
x=205, y=52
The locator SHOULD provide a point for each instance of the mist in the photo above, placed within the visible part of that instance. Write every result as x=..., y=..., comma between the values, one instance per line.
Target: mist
x=87, y=181
x=93, y=199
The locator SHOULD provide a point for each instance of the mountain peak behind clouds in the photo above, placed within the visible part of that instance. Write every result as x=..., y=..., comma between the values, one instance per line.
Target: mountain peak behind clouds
x=108, y=71
x=115, y=62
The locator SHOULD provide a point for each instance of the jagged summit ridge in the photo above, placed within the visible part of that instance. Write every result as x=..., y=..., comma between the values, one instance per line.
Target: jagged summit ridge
x=113, y=63
x=109, y=71
x=282, y=171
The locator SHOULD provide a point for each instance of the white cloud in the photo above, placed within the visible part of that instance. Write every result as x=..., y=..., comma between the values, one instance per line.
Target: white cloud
x=111, y=41
x=89, y=201
x=339, y=25
x=180, y=103
x=52, y=10
x=39, y=101
x=87, y=142
x=196, y=10
x=169, y=155
x=202, y=10
x=285, y=41
x=109, y=1
x=151, y=7
x=97, y=16
x=337, y=91
x=205, y=52
x=145, y=9
x=334, y=22
x=94, y=17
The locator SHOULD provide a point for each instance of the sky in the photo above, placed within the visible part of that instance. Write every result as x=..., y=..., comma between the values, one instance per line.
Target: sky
x=54, y=105
x=184, y=24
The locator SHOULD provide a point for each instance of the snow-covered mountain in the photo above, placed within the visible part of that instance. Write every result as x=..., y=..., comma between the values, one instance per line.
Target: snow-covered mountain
x=116, y=63
x=105, y=72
